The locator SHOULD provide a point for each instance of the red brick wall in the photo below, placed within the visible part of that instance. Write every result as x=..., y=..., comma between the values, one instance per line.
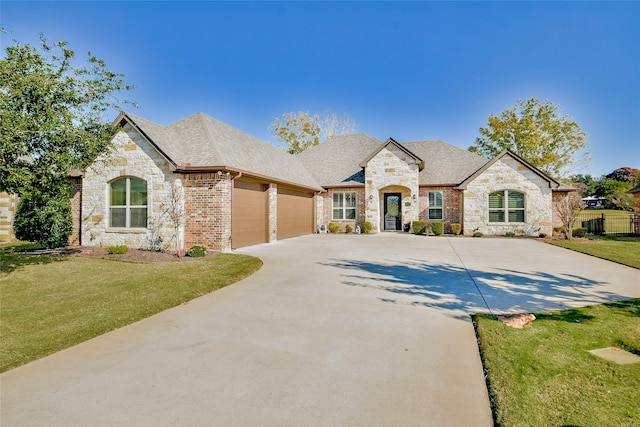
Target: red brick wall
x=76, y=211
x=327, y=206
x=208, y=210
x=556, y=198
x=452, y=205
x=636, y=212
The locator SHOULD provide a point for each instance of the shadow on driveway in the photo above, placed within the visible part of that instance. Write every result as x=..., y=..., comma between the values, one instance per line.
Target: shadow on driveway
x=463, y=291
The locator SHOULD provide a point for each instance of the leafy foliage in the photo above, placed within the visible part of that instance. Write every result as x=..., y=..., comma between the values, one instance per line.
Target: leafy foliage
x=437, y=228
x=333, y=227
x=535, y=131
x=367, y=227
x=302, y=130
x=119, y=249
x=419, y=227
x=456, y=228
x=44, y=217
x=197, y=251
x=51, y=123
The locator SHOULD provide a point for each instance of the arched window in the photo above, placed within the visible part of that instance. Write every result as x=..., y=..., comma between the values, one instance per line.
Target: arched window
x=506, y=206
x=128, y=203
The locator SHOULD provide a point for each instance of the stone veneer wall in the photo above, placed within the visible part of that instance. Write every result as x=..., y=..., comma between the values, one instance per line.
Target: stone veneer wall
x=8, y=205
x=508, y=174
x=325, y=208
x=451, y=205
x=208, y=210
x=132, y=156
x=390, y=171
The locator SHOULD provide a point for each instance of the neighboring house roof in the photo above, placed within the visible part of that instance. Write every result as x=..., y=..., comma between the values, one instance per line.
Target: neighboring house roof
x=635, y=189
x=201, y=142
x=553, y=184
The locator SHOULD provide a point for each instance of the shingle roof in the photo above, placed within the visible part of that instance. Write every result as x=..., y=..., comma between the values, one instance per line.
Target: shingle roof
x=635, y=189
x=336, y=162
x=202, y=141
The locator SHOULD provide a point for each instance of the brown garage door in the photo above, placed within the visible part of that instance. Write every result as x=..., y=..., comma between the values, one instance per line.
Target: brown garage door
x=249, y=214
x=295, y=213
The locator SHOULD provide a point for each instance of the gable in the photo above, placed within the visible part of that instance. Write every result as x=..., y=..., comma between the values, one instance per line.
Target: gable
x=391, y=146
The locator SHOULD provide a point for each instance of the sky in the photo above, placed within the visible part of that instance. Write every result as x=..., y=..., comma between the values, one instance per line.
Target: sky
x=407, y=70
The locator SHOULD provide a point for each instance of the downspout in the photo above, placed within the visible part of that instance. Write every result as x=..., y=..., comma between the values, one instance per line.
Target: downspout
x=231, y=208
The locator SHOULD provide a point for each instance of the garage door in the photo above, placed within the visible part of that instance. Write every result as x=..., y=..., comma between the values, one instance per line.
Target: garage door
x=295, y=213
x=249, y=214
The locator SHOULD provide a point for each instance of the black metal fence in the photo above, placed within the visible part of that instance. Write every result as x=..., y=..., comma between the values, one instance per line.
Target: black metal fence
x=618, y=224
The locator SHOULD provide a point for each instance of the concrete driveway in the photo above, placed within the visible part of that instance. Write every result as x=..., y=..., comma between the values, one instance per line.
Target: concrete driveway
x=332, y=331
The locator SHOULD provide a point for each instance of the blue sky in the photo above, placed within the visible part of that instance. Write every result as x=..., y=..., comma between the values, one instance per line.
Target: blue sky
x=407, y=70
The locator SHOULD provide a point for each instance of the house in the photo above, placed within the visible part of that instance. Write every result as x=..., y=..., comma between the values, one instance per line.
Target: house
x=237, y=190
x=635, y=192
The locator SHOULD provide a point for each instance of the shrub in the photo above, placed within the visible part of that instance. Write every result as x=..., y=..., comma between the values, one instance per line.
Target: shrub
x=197, y=251
x=456, y=228
x=119, y=249
x=580, y=232
x=44, y=218
x=542, y=235
x=510, y=234
x=333, y=227
x=419, y=227
x=367, y=227
x=478, y=234
x=558, y=230
x=348, y=229
x=437, y=228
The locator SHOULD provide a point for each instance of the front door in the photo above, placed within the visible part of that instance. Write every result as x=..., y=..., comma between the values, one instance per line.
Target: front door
x=392, y=211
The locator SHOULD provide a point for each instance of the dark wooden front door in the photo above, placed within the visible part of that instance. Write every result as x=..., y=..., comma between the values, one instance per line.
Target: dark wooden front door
x=392, y=211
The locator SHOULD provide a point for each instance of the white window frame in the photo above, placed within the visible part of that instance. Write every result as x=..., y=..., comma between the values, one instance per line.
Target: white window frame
x=127, y=206
x=435, y=206
x=344, y=208
x=505, y=209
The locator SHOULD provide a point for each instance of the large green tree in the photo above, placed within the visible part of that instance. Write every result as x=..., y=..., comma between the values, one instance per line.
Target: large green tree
x=537, y=132
x=52, y=122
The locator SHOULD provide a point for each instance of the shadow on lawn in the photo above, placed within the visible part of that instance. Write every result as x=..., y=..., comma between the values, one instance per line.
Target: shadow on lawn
x=462, y=292
x=11, y=260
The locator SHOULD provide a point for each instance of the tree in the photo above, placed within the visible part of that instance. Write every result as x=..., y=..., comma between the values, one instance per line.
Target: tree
x=51, y=123
x=302, y=130
x=568, y=210
x=624, y=174
x=536, y=132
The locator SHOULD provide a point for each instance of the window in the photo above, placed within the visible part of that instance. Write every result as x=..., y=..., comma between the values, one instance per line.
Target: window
x=510, y=211
x=128, y=203
x=435, y=205
x=344, y=205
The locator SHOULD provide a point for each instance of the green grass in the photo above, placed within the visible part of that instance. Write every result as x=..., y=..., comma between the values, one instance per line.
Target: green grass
x=614, y=224
x=543, y=375
x=49, y=303
x=623, y=250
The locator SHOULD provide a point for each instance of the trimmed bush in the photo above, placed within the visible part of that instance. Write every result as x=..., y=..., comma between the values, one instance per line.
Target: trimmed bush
x=437, y=228
x=478, y=234
x=333, y=227
x=367, y=227
x=419, y=227
x=510, y=234
x=456, y=228
x=580, y=232
x=348, y=229
x=197, y=251
x=120, y=249
x=558, y=230
x=542, y=235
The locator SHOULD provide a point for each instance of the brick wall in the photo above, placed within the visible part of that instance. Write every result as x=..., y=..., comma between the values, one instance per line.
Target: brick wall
x=326, y=214
x=208, y=210
x=636, y=212
x=451, y=205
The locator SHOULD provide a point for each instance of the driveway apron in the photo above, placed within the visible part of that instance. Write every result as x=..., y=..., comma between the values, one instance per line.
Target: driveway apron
x=332, y=331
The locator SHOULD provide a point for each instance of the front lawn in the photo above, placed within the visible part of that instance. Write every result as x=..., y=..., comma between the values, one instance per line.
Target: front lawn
x=543, y=375
x=623, y=250
x=49, y=303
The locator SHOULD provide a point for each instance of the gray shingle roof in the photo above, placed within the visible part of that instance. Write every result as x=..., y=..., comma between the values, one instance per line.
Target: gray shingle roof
x=202, y=141
x=333, y=162
x=336, y=161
